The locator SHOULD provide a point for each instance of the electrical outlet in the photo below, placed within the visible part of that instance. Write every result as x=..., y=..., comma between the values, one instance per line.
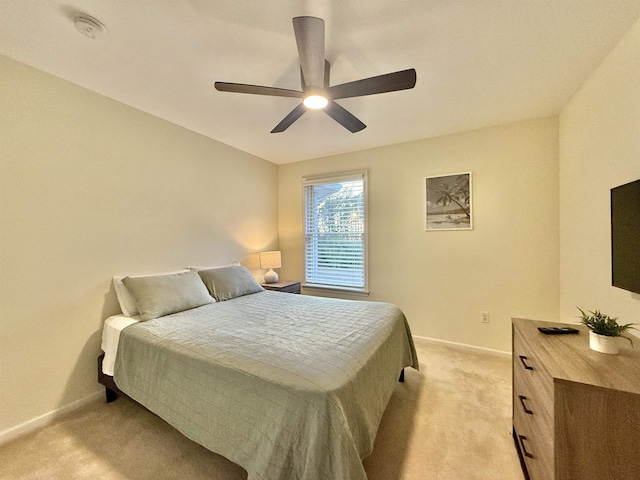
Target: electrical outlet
x=484, y=317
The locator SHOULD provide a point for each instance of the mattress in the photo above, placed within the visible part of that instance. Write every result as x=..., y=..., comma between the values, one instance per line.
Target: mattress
x=287, y=386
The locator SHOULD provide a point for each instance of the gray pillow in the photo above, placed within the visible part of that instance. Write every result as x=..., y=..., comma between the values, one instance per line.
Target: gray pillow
x=229, y=282
x=165, y=294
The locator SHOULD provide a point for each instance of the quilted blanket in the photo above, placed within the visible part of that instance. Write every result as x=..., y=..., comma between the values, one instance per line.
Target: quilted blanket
x=287, y=386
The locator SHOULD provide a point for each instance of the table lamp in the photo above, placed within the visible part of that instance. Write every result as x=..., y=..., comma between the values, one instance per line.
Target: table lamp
x=270, y=260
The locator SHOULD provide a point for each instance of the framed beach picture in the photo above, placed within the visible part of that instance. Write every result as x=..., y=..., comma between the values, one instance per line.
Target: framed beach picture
x=448, y=202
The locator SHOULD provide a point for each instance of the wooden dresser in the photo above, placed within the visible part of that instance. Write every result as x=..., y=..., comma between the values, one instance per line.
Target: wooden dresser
x=576, y=412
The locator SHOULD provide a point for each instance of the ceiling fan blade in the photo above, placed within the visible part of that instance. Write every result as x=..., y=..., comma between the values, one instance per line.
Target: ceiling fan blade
x=389, y=82
x=293, y=115
x=309, y=32
x=327, y=74
x=343, y=117
x=256, y=90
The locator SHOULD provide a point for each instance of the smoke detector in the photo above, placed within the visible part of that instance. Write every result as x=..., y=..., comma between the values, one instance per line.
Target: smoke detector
x=89, y=26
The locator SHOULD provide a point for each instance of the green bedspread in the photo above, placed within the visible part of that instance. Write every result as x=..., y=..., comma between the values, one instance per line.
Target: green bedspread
x=287, y=386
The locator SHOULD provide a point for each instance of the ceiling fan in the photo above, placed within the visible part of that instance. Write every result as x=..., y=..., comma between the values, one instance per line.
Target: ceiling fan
x=314, y=74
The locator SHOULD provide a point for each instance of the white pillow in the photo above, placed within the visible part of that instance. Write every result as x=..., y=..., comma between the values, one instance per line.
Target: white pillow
x=232, y=264
x=160, y=295
x=126, y=301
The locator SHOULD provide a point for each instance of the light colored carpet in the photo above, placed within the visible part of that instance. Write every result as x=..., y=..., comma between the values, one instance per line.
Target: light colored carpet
x=451, y=420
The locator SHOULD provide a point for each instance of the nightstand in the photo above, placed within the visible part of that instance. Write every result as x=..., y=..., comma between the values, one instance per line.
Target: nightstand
x=284, y=286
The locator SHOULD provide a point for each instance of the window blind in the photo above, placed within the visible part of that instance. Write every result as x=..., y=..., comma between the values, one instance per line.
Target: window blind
x=335, y=241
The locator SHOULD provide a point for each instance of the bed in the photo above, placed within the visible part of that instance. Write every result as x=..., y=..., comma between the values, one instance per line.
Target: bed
x=287, y=386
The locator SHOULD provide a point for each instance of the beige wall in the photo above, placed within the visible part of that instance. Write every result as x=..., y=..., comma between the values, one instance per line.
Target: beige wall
x=599, y=149
x=89, y=189
x=508, y=265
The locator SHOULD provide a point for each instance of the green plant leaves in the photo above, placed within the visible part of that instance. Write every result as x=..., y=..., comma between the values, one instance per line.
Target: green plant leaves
x=603, y=324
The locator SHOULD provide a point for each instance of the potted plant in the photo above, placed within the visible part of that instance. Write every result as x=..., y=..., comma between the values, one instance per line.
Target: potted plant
x=604, y=330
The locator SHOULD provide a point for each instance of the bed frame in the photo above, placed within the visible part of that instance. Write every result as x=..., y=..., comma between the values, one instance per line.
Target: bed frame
x=113, y=392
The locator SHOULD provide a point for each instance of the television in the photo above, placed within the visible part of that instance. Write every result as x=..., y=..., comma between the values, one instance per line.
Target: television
x=625, y=236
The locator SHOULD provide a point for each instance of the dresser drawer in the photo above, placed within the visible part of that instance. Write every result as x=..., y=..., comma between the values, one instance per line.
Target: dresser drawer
x=531, y=401
x=528, y=368
x=536, y=448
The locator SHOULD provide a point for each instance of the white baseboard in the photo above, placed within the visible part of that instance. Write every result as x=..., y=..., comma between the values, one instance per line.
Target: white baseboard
x=463, y=346
x=43, y=420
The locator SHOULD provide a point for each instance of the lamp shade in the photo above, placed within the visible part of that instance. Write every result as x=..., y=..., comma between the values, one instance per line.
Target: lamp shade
x=270, y=259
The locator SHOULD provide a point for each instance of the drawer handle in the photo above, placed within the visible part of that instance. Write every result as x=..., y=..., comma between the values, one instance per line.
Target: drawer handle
x=524, y=406
x=523, y=359
x=522, y=438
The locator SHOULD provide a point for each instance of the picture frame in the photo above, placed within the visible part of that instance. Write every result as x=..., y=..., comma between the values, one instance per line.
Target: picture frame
x=448, y=202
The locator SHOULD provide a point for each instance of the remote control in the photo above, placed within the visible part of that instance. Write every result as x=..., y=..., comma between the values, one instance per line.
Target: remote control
x=558, y=330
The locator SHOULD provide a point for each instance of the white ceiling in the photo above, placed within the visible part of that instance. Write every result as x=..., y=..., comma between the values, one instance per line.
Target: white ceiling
x=479, y=62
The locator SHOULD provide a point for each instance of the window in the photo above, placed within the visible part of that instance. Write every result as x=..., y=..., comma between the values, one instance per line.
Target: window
x=335, y=231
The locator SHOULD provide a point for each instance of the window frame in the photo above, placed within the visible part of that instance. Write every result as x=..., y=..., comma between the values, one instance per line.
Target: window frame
x=338, y=177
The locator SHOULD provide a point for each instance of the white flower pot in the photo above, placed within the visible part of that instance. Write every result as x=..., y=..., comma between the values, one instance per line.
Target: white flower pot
x=603, y=343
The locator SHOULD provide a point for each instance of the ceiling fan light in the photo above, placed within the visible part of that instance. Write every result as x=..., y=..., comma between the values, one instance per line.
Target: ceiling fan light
x=315, y=102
